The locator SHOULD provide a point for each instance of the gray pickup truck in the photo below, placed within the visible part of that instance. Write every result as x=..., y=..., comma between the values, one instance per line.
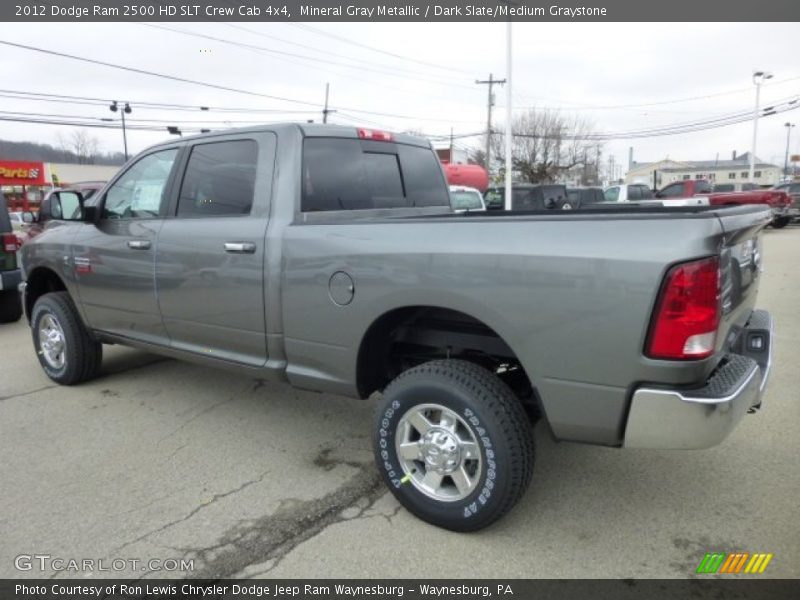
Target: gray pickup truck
x=329, y=258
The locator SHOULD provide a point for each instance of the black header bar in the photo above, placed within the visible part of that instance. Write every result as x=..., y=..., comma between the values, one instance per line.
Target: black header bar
x=399, y=11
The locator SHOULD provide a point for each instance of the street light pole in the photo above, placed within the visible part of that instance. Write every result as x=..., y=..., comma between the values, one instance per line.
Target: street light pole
x=126, y=110
x=786, y=158
x=758, y=78
x=509, y=132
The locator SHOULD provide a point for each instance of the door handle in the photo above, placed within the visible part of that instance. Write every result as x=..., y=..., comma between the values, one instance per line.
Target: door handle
x=139, y=244
x=240, y=247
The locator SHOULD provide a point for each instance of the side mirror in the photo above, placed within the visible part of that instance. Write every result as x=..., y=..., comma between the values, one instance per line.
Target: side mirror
x=68, y=206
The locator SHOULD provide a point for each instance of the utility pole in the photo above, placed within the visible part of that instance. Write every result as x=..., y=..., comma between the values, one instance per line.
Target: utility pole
x=786, y=157
x=491, y=82
x=326, y=110
x=758, y=79
x=451, y=145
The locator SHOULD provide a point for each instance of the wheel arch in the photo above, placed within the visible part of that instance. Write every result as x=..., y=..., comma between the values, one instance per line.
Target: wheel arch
x=405, y=336
x=40, y=281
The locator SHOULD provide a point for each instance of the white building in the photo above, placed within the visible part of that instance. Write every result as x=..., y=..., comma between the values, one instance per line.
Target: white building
x=736, y=170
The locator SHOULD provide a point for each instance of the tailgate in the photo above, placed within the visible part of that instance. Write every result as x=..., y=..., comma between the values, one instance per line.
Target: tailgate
x=740, y=265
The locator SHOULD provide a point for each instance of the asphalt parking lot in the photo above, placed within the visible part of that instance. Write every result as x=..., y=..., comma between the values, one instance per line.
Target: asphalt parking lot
x=159, y=459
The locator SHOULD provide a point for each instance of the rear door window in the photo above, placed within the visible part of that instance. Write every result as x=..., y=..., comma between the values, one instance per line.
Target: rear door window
x=634, y=193
x=220, y=179
x=611, y=194
x=348, y=174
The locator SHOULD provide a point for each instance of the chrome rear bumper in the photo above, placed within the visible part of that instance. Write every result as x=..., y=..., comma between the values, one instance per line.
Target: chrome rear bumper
x=703, y=417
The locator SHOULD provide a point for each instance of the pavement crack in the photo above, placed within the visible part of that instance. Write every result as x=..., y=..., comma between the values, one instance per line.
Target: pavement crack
x=273, y=536
x=28, y=393
x=215, y=498
x=199, y=414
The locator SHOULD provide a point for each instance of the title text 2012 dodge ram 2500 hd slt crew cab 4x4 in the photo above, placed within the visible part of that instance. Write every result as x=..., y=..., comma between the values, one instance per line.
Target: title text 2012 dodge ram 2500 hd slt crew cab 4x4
x=330, y=258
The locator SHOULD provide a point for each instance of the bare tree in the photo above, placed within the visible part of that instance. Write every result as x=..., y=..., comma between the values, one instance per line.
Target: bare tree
x=477, y=156
x=546, y=145
x=84, y=147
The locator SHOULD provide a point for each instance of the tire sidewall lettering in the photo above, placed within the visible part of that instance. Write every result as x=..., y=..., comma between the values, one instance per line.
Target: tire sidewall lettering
x=480, y=498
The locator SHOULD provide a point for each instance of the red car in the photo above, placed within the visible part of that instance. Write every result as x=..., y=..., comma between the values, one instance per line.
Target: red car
x=779, y=201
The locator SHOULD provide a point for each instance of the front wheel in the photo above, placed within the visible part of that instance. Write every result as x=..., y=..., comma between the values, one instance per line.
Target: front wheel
x=453, y=444
x=66, y=349
x=781, y=222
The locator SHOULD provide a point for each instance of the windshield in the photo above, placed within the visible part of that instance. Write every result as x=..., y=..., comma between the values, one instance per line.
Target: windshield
x=464, y=200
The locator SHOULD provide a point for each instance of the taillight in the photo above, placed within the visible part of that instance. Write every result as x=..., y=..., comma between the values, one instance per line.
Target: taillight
x=10, y=242
x=778, y=199
x=687, y=312
x=374, y=134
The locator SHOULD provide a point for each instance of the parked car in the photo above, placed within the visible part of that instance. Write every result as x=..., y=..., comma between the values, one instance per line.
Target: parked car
x=10, y=274
x=583, y=196
x=329, y=257
x=527, y=196
x=21, y=219
x=793, y=190
x=778, y=201
x=640, y=194
x=463, y=198
x=628, y=192
x=685, y=189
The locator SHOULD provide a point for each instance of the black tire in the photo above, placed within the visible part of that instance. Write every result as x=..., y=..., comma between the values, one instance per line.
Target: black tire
x=10, y=306
x=82, y=354
x=781, y=222
x=504, y=435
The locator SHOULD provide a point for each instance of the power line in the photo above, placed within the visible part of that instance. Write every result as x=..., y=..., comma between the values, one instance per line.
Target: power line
x=85, y=124
x=677, y=129
x=89, y=101
x=582, y=106
x=436, y=81
x=208, y=84
x=373, y=49
x=129, y=120
x=328, y=52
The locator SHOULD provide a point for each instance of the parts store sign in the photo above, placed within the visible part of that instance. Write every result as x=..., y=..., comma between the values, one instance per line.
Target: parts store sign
x=13, y=172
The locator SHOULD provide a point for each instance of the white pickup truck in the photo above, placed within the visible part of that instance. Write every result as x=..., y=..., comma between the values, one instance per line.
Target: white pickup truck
x=641, y=194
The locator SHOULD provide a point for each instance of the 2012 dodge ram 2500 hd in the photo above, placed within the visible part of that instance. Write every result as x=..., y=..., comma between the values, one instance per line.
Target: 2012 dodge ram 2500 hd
x=330, y=258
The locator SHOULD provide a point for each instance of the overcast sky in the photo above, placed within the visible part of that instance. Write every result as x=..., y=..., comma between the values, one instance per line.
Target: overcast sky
x=576, y=67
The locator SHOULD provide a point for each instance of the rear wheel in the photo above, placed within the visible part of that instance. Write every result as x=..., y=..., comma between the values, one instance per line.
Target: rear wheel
x=10, y=306
x=66, y=349
x=781, y=222
x=453, y=444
